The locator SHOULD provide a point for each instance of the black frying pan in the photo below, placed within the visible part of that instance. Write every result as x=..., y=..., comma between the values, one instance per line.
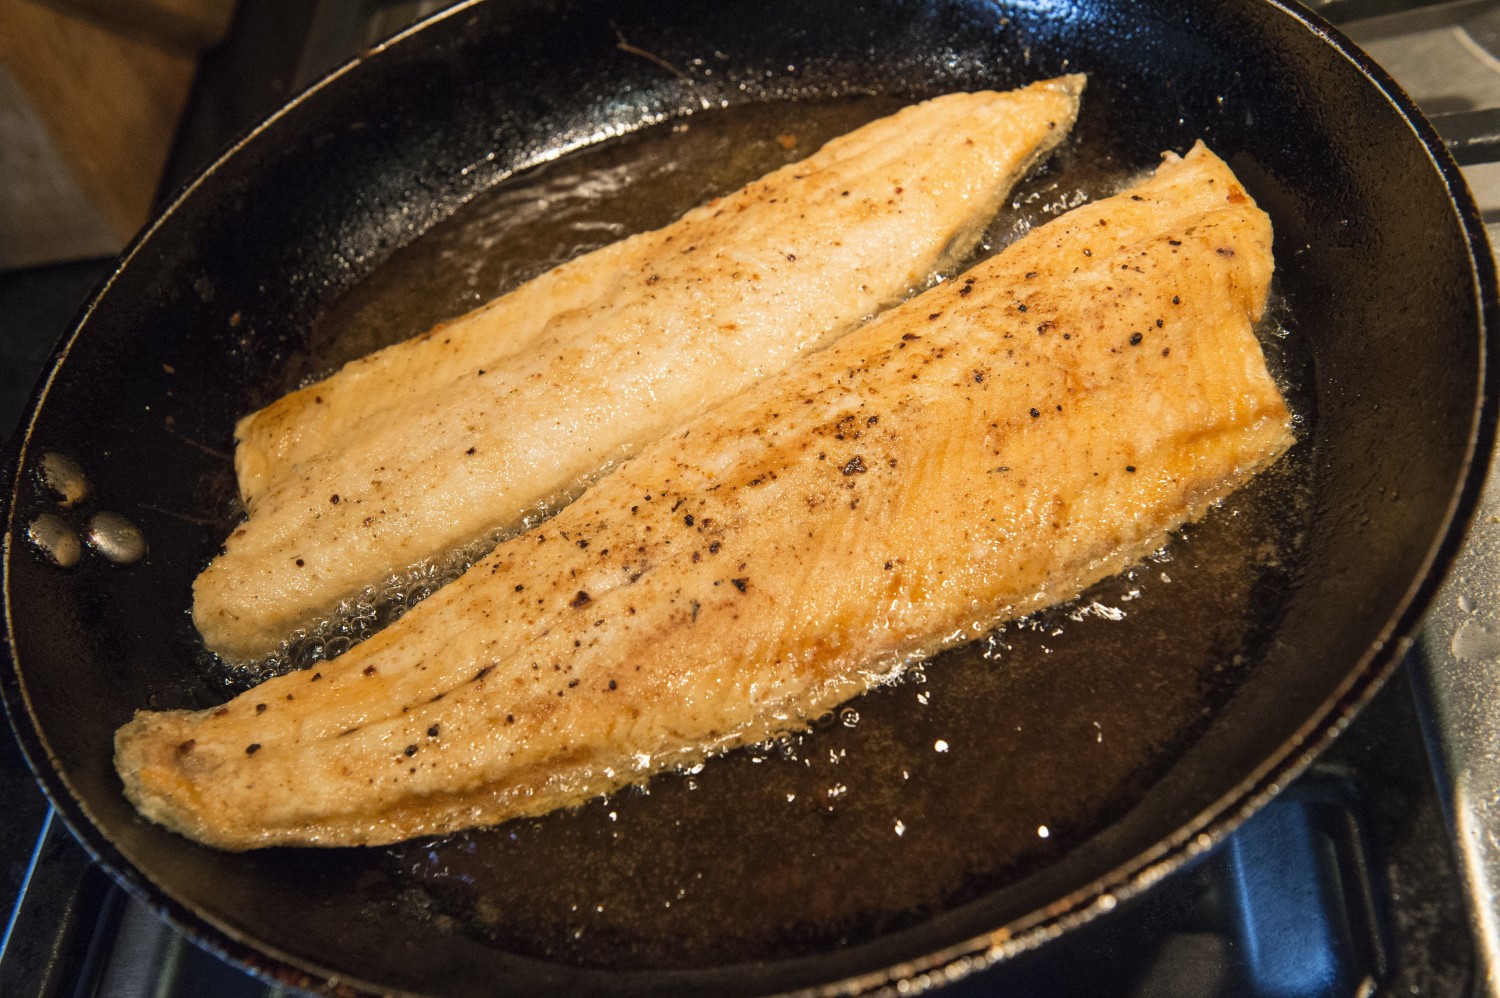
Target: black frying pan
x=1136, y=743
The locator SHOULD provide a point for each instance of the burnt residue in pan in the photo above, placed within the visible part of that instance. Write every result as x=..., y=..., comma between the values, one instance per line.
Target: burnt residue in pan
x=979, y=767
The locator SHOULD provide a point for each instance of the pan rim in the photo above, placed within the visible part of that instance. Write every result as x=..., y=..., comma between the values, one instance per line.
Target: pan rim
x=1207, y=829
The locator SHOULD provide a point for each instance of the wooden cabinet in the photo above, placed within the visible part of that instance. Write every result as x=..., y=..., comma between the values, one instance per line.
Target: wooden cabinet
x=90, y=94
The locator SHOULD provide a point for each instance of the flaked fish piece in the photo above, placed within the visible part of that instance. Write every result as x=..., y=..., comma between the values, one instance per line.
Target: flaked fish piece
x=994, y=446
x=423, y=447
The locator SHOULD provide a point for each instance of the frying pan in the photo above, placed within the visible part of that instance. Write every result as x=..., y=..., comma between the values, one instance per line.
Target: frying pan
x=1000, y=796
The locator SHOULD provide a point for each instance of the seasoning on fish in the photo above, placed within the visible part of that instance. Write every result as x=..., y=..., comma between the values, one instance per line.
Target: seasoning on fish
x=422, y=448
x=992, y=447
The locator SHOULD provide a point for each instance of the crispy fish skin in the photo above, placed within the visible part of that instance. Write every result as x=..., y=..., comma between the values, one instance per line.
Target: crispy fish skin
x=993, y=446
x=423, y=447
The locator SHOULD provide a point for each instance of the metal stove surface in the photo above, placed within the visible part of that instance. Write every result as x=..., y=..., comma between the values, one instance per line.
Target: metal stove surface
x=1374, y=873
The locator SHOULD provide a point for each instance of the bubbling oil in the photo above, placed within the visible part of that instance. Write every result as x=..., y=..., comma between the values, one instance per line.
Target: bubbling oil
x=974, y=768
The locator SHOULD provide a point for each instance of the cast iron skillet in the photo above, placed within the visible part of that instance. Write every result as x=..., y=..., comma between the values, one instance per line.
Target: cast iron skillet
x=1135, y=762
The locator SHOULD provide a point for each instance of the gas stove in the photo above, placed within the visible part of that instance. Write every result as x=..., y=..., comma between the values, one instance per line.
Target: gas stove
x=1373, y=874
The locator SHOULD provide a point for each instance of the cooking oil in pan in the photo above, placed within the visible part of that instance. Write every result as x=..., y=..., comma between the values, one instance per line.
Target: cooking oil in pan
x=986, y=763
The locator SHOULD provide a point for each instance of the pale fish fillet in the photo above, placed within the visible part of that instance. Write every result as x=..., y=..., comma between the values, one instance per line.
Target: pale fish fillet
x=991, y=447
x=423, y=447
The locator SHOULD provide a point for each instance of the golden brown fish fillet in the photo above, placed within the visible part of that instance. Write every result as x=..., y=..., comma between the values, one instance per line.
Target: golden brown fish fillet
x=425, y=446
x=993, y=446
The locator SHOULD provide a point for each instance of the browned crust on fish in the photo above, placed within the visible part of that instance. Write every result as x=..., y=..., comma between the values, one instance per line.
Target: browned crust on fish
x=992, y=447
x=426, y=446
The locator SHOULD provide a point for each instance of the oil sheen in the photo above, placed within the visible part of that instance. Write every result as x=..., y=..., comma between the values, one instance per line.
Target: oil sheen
x=982, y=765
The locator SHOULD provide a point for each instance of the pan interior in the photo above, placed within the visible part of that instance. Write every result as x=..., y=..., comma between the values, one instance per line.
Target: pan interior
x=947, y=782
x=981, y=790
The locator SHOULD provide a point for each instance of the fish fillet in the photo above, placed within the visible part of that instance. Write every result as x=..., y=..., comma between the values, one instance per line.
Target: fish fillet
x=423, y=447
x=991, y=447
